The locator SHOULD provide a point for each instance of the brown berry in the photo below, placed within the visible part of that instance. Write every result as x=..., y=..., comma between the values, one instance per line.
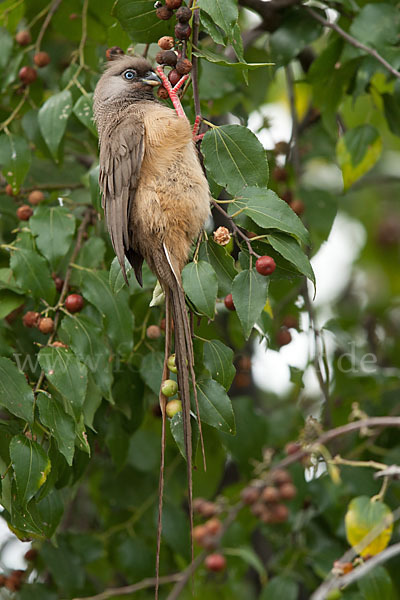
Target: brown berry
x=113, y=52
x=74, y=303
x=297, y=206
x=31, y=554
x=23, y=37
x=174, y=77
x=9, y=190
x=279, y=513
x=46, y=325
x=287, y=491
x=215, y=562
x=162, y=92
x=27, y=75
x=280, y=174
x=30, y=319
x=228, y=301
x=153, y=332
x=265, y=265
x=208, y=509
x=183, y=14
x=166, y=57
x=24, y=212
x=3, y=579
x=199, y=534
x=35, y=197
x=281, y=476
x=183, y=66
x=197, y=504
x=73, y=16
x=41, y=59
x=292, y=448
x=164, y=13
x=287, y=196
x=270, y=494
x=213, y=526
x=182, y=31
x=166, y=42
x=59, y=345
x=258, y=509
x=12, y=585
x=291, y=322
x=173, y=4
x=281, y=148
x=283, y=337
x=59, y=283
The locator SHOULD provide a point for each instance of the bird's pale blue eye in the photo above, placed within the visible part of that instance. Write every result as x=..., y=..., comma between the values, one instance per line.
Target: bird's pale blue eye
x=129, y=75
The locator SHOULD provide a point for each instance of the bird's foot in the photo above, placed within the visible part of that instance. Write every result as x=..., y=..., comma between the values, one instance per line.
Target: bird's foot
x=172, y=90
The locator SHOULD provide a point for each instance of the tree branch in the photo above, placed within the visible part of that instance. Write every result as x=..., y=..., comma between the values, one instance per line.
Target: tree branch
x=136, y=587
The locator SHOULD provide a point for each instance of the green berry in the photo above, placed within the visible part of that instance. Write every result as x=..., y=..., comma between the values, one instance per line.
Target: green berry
x=169, y=388
x=173, y=407
x=172, y=364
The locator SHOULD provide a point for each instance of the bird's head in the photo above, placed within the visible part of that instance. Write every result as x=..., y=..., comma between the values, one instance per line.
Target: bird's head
x=126, y=79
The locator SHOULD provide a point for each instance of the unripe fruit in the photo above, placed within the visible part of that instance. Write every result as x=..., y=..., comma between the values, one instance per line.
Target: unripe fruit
x=199, y=533
x=41, y=59
x=173, y=4
x=173, y=407
x=164, y=13
x=166, y=42
x=30, y=319
x=167, y=57
x=297, y=206
x=270, y=494
x=183, y=66
x=213, y=526
x=265, y=265
x=46, y=325
x=113, y=52
x=215, y=562
x=74, y=303
x=35, y=197
x=162, y=93
x=287, y=491
x=169, y=387
x=153, y=332
x=24, y=212
x=250, y=495
x=172, y=363
x=228, y=301
x=183, y=14
x=182, y=31
x=173, y=77
x=280, y=174
x=283, y=337
x=9, y=190
x=27, y=75
x=23, y=38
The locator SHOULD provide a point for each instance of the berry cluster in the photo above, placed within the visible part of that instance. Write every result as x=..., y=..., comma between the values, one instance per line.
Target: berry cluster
x=265, y=497
x=208, y=534
x=28, y=74
x=24, y=212
x=73, y=303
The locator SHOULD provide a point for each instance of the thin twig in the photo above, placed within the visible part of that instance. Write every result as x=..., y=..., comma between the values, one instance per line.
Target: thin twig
x=353, y=41
x=16, y=110
x=46, y=23
x=195, y=63
x=131, y=589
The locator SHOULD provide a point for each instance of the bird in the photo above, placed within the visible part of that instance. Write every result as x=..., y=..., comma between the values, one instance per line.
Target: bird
x=156, y=200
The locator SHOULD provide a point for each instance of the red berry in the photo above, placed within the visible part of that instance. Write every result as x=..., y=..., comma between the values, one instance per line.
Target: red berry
x=283, y=337
x=199, y=534
x=265, y=265
x=280, y=513
x=59, y=283
x=41, y=59
x=153, y=332
x=24, y=212
x=31, y=554
x=228, y=301
x=74, y=303
x=250, y=495
x=173, y=77
x=23, y=38
x=30, y=319
x=73, y=16
x=9, y=190
x=215, y=562
x=46, y=325
x=27, y=75
x=35, y=197
x=183, y=14
x=213, y=526
x=281, y=476
x=182, y=31
x=287, y=491
x=291, y=322
x=270, y=494
x=173, y=4
x=183, y=66
x=166, y=42
x=164, y=13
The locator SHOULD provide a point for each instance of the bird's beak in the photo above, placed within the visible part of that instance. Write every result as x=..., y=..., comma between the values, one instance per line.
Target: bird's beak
x=151, y=79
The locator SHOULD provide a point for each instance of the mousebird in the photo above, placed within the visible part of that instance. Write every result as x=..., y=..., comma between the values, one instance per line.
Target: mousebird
x=156, y=200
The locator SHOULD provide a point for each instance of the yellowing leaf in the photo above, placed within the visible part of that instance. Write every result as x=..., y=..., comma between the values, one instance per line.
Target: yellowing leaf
x=357, y=152
x=374, y=519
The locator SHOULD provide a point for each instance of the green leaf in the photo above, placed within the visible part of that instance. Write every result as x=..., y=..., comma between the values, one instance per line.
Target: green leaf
x=362, y=517
x=376, y=25
x=15, y=394
x=87, y=341
x=235, y=158
x=59, y=423
x=95, y=192
x=224, y=13
x=32, y=274
x=36, y=520
x=218, y=359
x=15, y=159
x=222, y=263
x=214, y=405
x=296, y=32
x=249, y=293
x=37, y=591
x=291, y=251
x=113, y=307
x=201, y=285
x=151, y=370
x=139, y=20
x=221, y=60
x=31, y=466
x=9, y=301
x=54, y=227
x=280, y=587
x=392, y=112
x=6, y=45
x=357, y=152
x=176, y=427
x=212, y=29
x=67, y=374
x=83, y=110
x=376, y=584
x=247, y=554
x=267, y=210
x=53, y=118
